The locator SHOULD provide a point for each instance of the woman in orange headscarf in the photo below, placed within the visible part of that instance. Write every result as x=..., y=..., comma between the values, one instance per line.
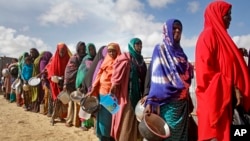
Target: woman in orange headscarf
x=102, y=87
x=221, y=75
x=56, y=67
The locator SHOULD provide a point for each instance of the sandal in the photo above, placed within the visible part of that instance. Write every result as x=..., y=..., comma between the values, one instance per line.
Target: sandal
x=68, y=124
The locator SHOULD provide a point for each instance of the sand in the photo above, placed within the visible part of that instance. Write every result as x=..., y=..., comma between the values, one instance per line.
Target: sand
x=19, y=125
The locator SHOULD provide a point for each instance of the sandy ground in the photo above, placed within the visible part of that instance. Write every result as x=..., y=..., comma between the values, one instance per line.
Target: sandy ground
x=19, y=125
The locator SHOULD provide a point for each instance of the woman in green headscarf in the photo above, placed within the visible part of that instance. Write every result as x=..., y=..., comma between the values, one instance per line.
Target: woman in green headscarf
x=127, y=80
x=81, y=73
x=86, y=63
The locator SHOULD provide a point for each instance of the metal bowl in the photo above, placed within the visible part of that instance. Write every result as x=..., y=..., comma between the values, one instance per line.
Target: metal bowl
x=90, y=104
x=154, y=128
x=5, y=72
x=76, y=96
x=26, y=87
x=56, y=79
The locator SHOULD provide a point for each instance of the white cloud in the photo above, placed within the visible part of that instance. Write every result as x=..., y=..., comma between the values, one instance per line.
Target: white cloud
x=188, y=42
x=160, y=3
x=13, y=45
x=242, y=41
x=193, y=6
x=62, y=13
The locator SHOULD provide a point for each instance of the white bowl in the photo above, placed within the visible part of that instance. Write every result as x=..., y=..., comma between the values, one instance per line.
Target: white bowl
x=139, y=108
x=55, y=78
x=5, y=72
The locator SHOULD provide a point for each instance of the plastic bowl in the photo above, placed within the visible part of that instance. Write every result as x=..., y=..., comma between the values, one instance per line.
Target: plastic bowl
x=153, y=128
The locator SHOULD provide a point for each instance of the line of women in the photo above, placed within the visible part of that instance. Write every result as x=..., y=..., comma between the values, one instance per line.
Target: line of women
x=163, y=86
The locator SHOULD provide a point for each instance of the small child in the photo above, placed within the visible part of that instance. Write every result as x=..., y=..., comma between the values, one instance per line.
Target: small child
x=26, y=75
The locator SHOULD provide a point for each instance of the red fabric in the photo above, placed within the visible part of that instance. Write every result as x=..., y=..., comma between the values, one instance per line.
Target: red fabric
x=57, y=66
x=219, y=67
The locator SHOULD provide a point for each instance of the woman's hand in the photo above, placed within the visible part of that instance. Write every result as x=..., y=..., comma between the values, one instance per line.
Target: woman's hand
x=238, y=96
x=143, y=100
x=113, y=89
x=89, y=93
x=150, y=109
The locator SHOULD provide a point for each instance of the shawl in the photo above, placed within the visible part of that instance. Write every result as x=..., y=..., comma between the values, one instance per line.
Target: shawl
x=35, y=91
x=85, y=65
x=102, y=83
x=46, y=55
x=137, y=73
x=21, y=62
x=57, y=66
x=168, y=63
x=72, y=67
x=92, y=71
x=219, y=68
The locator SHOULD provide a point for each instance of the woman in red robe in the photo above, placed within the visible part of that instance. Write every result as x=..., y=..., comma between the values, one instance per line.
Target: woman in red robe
x=221, y=75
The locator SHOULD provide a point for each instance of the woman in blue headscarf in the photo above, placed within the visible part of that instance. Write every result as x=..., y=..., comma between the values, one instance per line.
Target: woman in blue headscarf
x=171, y=75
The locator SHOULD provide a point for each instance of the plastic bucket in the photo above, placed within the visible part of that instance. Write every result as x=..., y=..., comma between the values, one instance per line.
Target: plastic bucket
x=64, y=97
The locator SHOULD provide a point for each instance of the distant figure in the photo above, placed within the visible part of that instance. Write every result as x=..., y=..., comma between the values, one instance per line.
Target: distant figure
x=221, y=73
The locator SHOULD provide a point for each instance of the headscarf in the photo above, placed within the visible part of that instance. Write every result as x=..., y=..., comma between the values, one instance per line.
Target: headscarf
x=137, y=73
x=57, y=66
x=105, y=71
x=46, y=55
x=91, y=74
x=35, y=55
x=72, y=67
x=168, y=62
x=230, y=69
x=21, y=61
x=84, y=66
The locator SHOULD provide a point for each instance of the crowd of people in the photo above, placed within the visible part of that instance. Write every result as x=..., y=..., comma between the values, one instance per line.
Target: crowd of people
x=163, y=86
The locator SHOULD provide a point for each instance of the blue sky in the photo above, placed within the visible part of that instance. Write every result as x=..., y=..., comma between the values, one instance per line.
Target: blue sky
x=44, y=23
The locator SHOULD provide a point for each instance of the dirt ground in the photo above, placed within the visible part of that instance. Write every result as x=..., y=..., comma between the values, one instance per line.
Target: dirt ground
x=19, y=125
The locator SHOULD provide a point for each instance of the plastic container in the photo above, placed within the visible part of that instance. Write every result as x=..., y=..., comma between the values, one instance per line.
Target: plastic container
x=84, y=115
x=64, y=97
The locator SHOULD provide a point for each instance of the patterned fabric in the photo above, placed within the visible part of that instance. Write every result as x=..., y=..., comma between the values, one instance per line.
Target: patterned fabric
x=173, y=113
x=168, y=63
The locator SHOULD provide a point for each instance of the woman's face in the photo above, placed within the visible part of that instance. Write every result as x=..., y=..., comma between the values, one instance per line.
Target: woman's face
x=177, y=29
x=82, y=50
x=138, y=47
x=227, y=19
x=92, y=51
x=33, y=54
x=112, y=53
x=62, y=52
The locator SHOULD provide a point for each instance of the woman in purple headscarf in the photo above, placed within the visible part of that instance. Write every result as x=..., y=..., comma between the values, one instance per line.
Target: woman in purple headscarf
x=47, y=99
x=171, y=75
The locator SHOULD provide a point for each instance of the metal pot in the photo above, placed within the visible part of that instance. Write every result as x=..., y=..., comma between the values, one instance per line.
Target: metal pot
x=153, y=128
x=90, y=104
